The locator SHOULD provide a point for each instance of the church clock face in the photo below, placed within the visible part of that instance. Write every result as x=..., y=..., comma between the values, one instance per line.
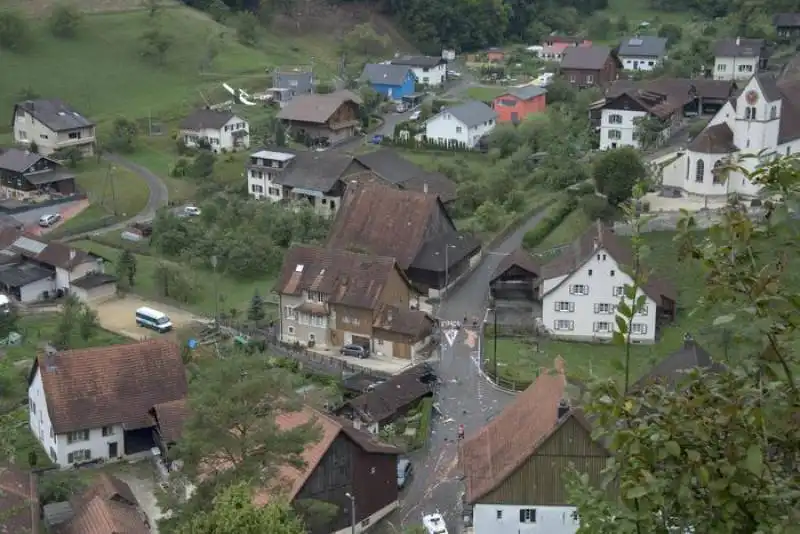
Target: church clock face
x=751, y=97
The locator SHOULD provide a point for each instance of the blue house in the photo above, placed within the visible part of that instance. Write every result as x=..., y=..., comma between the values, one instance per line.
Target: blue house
x=392, y=81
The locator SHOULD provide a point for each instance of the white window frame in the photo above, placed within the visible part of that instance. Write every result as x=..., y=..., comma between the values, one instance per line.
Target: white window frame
x=289, y=313
x=564, y=325
x=615, y=118
x=618, y=291
x=527, y=516
x=81, y=455
x=604, y=308
x=721, y=67
x=304, y=319
x=290, y=330
x=589, y=78
x=77, y=436
x=639, y=329
x=315, y=296
x=564, y=306
x=644, y=311
x=108, y=431
x=615, y=135
x=603, y=327
x=579, y=289
x=319, y=321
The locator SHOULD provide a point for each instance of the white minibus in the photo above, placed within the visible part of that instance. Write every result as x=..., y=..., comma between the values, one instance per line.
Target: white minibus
x=154, y=319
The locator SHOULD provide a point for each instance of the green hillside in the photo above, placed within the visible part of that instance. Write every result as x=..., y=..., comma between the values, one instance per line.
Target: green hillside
x=102, y=72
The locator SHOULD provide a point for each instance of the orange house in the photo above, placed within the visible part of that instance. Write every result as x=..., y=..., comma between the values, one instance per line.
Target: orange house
x=520, y=102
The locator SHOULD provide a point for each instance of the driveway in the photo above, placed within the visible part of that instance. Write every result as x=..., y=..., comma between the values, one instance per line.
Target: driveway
x=118, y=315
x=464, y=397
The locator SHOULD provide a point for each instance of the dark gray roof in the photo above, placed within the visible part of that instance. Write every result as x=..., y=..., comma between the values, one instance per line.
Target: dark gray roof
x=22, y=274
x=431, y=255
x=315, y=171
x=644, y=45
x=737, y=47
x=672, y=369
x=527, y=92
x=299, y=82
x=418, y=61
x=206, y=118
x=49, y=177
x=397, y=170
x=472, y=113
x=786, y=20
x=93, y=280
x=376, y=73
x=16, y=160
x=585, y=57
x=769, y=87
x=55, y=114
x=56, y=513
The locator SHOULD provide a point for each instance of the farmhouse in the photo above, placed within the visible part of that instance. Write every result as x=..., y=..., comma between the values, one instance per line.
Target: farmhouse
x=427, y=70
x=217, y=130
x=28, y=176
x=739, y=59
x=520, y=102
x=53, y=125
x=464, y=124
x=322, y=119
x=392, y=81
x=590, y=66
x=642, y=52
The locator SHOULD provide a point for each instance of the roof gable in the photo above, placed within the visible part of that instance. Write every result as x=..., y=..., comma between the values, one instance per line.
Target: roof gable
x=585, y=57
x=54, y=114
x=384, y=221
x=643, y=45
x=737, y=47
x=519, y=258
x=382, y=74
x=202, y=119
x=16, y=160
x=397, y=392
x=470, y=113
x=397, y=170
x=315, y=171
x=316, y=108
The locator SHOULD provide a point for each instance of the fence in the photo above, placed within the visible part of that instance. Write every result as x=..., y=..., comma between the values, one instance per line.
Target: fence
x=317, y=363
x=15, y=207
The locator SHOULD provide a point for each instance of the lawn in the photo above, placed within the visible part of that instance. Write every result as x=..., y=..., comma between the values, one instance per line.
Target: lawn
x=518, y=360
x=102, y=73
x=113, y=188
x=15, y=437
x=637, y=11
x=572, y=227
x=485, y=94
x=234, y=294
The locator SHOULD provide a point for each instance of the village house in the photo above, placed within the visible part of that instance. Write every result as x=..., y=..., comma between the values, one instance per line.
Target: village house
x=334, y=297
x=671, y=371
x=739, y=59
x=322, y=119
x=463, y=124
x=288, y=84
x=107, y=506
x=581, y=287
x=514, y=466
x=520, y=102
x=392, y=81
x=642, y=52
x=32, y=270
x=515, y=285
x=761, y=123
x=428, y=70
x=19, y=500
x=391, y=168
x=554, y=46
x=670, y=100
x=412, y=227
x=284, y=175
x=28, y=176
x=170, y=419
x=589, y=66
x=53, y=125
x=217, y=130
x=495, y=55
x=787, y=25
x=94, y=404
x=386, y=402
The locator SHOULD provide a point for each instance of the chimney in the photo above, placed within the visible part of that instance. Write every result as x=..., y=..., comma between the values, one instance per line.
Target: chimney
x=738, y=41
x=71, y=254
x=563, y=409
x=425, y=187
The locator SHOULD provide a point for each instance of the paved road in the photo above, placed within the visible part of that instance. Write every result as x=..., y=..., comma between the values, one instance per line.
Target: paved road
x=159, y=195
x=464, y=398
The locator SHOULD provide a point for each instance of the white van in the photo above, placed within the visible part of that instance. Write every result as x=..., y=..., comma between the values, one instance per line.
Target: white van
x=150, y=318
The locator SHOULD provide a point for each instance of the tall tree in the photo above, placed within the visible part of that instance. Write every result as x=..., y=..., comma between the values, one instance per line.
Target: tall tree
x=126, y=267
x=616, y=171
x=256, y=311
x=719, y=453
x=87, y=322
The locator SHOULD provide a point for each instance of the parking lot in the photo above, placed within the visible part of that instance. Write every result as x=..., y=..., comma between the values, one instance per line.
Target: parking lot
x=118, y=315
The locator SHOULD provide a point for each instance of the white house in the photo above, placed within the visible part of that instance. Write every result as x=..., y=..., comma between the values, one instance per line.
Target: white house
x=280, y=174
x=52, y=125
x=642, y=52
x=91, y=404
x=428, y=70
x=465, y=124
x=762, y=122
x=514, y=466
x=582, y=287
x=221, y=130
x=739, y=59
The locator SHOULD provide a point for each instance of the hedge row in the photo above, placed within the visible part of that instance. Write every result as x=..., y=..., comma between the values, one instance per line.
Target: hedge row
x=424, y=428
x=557, y=215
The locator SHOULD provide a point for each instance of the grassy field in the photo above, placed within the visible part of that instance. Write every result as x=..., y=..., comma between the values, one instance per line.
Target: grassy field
x=518, y=360
x=16, y=439
x=233, y=293
x=485, y=93
x=570, y=229
x=637, y=11
x=114, y=189
x=102, y=74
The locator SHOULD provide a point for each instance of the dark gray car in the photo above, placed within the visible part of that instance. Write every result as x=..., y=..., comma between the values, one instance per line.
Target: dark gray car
x=404, y=471
x=356, y=351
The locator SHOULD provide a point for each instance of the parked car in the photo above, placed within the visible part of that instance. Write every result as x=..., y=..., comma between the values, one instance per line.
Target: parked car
x=376, y=139
x=48, y=220
x=415, y=116
x=356, y=351
x=454, y=74
x=192, y=211
x=404, y=471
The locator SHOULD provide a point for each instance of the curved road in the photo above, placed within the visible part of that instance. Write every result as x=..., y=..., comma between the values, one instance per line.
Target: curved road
x=159, y=195
x=464, y=397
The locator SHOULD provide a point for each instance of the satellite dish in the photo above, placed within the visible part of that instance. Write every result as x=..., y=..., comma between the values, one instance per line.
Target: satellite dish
x=229, y=89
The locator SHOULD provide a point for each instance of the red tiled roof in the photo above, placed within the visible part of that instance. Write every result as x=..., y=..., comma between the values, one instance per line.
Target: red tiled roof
x=19, y=501
x=171, y=417
x=102, y=516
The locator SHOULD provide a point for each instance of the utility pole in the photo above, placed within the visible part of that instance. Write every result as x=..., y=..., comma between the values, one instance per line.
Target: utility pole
x=494, y=317
x=352, y=513
x=216, y=291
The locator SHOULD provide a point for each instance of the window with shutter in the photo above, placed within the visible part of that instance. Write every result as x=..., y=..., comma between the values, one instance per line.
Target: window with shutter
x=527, y=515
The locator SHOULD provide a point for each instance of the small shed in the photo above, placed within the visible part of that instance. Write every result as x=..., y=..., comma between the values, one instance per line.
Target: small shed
x=95, y=287
x=517, y=277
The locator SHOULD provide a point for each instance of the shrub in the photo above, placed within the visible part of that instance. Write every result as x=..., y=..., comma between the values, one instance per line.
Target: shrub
x=15, y=34
x=65, y=21
x=535, y=236
x=70, y=156
x=424, y=427
x=596, y=207
x=180, y=168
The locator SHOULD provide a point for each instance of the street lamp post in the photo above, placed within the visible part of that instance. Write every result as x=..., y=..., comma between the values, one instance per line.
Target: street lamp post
x=352, y=512
x=216, y=290
x=446, y=267
x=494, y=318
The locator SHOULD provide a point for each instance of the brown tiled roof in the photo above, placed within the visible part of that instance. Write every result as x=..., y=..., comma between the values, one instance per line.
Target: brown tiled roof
x=316, y=108
x=512, y=437
x=171, y=417
x=404, y=174
x=585, y=57
x=399, y=391
x=119, y=384
x=519, y=258
x=290, y=479
x=108, y=488
x=716, y=139
x=19, y=501
x=384, y=221
x=583, y=248
x=54, y=253
x=412, y=323
x=347, y=278
x=663, y=96
x=103, y=516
